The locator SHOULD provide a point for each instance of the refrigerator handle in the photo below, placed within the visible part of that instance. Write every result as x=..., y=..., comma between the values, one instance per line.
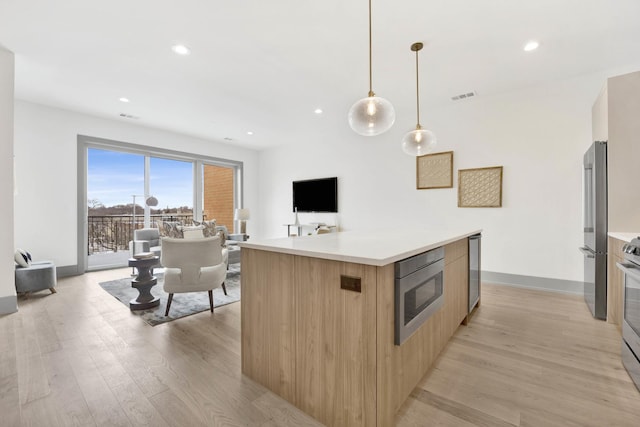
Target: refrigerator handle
x=588, y=252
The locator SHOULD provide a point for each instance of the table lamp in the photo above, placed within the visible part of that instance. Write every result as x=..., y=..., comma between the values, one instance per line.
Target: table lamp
x=242, y=215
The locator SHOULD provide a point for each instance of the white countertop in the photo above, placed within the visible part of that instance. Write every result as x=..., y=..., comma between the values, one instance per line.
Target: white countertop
x=379, y=247
x=625, y=237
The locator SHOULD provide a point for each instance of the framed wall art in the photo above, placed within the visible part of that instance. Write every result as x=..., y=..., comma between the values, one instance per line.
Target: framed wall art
x=434, y=171
x=480, y=188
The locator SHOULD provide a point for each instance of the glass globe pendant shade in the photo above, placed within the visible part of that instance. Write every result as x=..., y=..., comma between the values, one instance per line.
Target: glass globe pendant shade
x=418, y=142
x=371, y=116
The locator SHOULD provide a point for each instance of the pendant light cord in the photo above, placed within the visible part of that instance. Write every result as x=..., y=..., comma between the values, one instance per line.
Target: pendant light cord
x=417, y=91
x=370, y=55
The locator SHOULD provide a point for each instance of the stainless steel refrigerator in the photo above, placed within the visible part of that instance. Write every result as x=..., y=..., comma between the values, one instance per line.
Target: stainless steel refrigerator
x=595, y=229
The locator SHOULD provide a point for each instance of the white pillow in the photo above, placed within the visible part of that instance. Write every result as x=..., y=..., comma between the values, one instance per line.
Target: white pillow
x=192, y=232
x=23, y=258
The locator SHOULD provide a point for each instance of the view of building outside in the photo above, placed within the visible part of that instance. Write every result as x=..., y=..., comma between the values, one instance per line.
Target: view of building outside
x=218, y=195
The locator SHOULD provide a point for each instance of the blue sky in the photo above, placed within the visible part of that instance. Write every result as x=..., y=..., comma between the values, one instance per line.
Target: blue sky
x=113, y=177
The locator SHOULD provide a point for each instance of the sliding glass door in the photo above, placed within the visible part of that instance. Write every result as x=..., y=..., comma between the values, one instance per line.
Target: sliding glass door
x=113, y=177
x=120, y=178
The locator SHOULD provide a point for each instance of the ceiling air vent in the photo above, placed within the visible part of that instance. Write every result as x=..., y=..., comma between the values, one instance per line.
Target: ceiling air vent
x=129, y=116
x=463, y=96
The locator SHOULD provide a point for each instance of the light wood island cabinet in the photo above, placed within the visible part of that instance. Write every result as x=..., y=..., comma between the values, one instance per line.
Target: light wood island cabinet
x=330, y=351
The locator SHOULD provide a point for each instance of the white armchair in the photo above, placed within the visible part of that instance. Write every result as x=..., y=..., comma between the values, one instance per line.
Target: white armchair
x=145, y=240
x=192, y=265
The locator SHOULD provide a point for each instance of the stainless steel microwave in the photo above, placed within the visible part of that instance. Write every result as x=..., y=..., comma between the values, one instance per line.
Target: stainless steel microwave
x=419, y=291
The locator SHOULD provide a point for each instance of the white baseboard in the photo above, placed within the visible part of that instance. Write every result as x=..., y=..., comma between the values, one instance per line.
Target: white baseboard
x=533, y=282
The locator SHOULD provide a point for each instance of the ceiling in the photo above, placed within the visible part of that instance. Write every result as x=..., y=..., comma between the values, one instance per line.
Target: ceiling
x=265, y=66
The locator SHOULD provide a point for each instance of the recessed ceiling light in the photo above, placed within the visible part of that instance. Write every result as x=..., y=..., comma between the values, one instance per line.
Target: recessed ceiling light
x=464, y=95
x=531, y=45
x=181, y=49
x=318, y=111
x=124, y=99
x=129, y=116
x=249, y=133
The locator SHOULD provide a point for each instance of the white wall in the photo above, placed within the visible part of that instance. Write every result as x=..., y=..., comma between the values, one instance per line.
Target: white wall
x=538, y=134
x=46, y=172
x=8, y=302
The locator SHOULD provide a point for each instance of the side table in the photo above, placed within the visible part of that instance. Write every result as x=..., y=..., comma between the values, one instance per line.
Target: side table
x=143, y=282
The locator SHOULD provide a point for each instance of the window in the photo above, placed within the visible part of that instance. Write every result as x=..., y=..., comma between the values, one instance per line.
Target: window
x=171, y=182
x=117, y=178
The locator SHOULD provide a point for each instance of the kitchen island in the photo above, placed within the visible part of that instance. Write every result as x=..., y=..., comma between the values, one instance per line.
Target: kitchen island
x=318, y=317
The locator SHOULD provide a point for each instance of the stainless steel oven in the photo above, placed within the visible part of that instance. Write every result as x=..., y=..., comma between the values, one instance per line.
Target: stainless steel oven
x=419, y=291
x=631, y=310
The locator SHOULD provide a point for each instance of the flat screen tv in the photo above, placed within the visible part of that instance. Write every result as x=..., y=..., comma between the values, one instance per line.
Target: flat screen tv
x=316, y=195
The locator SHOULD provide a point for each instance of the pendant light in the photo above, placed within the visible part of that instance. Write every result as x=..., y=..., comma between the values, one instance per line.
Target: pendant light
x=372, y=115
x=419, y=141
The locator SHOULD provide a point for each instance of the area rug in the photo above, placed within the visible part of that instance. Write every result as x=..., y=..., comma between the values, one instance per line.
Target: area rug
x=183, y=304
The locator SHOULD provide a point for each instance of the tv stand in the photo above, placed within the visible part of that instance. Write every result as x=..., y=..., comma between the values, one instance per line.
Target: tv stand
x=300, y=227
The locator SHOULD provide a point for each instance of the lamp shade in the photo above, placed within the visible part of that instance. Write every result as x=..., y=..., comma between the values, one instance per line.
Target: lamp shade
x=418, y=142
x=371, y=116
x=241, y=214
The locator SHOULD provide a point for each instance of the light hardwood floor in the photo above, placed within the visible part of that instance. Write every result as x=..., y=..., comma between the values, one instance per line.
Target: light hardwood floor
x=78, y=357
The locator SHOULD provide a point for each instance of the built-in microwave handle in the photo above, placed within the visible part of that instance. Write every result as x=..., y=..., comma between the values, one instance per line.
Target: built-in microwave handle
x=587, y=252
x=630, y=269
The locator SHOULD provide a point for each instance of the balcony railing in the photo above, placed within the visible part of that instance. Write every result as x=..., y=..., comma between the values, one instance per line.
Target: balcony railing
x=113, y=233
